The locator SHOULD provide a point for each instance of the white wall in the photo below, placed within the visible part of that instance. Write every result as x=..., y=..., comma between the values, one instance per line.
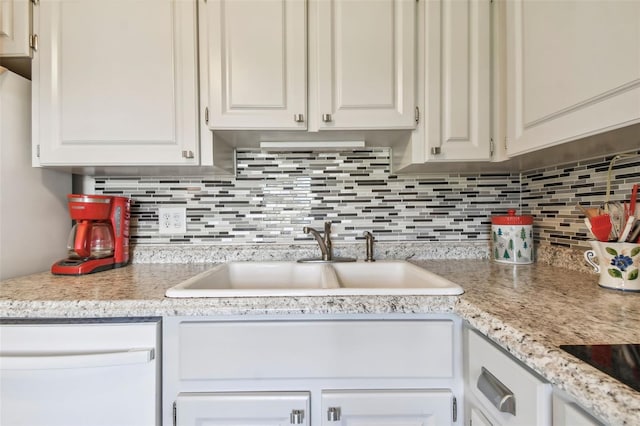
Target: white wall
x=34, y=223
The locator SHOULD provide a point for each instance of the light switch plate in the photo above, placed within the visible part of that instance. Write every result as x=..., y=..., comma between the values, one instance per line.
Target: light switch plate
x=172, y=220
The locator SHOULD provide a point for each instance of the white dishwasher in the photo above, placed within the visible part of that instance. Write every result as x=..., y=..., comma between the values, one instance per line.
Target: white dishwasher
x=80, y=372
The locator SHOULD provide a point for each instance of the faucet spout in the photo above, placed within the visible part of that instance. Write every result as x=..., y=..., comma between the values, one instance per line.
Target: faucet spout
x=326, y=247
x=368, y=236
x=327, y=240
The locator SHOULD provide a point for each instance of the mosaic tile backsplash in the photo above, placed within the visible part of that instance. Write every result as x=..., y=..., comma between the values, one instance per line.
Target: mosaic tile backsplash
x=274, y=195
x=551, y=196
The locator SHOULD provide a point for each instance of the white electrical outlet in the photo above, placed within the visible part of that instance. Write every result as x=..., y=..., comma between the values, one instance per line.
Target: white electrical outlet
x=172, y=220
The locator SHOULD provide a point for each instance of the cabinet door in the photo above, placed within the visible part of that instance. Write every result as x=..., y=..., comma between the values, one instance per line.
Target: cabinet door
x=573, y=70
x=256, y=63
x=508, y=392
x=457, y=79
x=476, y=418
x=114, y=83
x=387, y=407
x=366, y=64
x=15, y=28
x=568, y=413
x=243, y=408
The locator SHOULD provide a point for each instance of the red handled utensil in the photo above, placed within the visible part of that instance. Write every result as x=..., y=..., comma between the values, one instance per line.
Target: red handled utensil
x=601, y=227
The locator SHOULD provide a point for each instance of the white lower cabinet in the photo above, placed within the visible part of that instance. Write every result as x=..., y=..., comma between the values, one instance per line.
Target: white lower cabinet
x=566, y=412
x=329, y=372
x=387, y=407
x=243, y=408
x=476, y=418
x=499, y=390
x=407, y=407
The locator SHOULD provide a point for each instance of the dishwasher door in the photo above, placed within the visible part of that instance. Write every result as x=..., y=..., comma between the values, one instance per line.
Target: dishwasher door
x=85, y=373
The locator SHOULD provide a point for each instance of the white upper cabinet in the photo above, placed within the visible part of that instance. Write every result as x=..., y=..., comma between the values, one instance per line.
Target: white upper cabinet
x=15, y=28
x=456, y=64
x=255, y=65
x=365, y=64
x=353, y=67
x=454, y=84
x=115, y=83
x=573, y=70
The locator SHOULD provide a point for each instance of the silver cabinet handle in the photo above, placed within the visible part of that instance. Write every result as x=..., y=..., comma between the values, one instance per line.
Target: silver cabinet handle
x=298, y=118
x=333, y=414
x=497, y=393
x=187, y=154
x=296, y=417
x=326, y=118
x=436, y=150
x=52, y=361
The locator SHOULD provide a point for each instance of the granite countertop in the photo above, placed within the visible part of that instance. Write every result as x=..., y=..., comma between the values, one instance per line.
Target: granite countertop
x=529, y=310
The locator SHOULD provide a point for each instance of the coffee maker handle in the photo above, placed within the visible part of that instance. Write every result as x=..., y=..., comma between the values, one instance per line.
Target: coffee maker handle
x=82, y=244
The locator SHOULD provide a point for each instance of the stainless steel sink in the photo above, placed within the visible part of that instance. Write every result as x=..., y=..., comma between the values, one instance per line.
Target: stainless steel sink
x=249, y=279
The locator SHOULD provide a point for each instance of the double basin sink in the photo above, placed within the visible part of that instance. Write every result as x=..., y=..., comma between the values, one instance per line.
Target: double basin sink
x=250, y=279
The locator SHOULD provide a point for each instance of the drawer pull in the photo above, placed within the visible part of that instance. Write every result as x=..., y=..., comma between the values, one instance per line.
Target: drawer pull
x=334, y=414
x=500, y=396
x=296, y=417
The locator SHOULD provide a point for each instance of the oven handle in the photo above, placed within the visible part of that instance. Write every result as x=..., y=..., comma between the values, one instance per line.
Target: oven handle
x=47, y=361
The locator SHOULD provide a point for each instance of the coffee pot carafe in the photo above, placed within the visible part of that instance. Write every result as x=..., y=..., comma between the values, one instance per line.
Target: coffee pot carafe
x=89, y=239
x=99, y=239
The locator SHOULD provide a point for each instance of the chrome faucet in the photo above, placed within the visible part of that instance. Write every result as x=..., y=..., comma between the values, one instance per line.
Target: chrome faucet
x=326, y=247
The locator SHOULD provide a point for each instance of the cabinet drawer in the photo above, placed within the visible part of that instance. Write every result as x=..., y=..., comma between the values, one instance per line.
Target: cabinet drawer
x=315, y=349
x=491, y=375
x=568, y=413
x=387, y=407
x=243, y=408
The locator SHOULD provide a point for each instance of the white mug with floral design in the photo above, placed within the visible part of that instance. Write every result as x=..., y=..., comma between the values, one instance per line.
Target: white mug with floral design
x=617, y=265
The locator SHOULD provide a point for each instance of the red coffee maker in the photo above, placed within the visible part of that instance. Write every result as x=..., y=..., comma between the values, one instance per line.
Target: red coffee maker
x=99, y=239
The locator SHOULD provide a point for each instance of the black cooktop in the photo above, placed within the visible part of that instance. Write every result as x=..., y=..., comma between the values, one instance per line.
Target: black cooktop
x=621, y=362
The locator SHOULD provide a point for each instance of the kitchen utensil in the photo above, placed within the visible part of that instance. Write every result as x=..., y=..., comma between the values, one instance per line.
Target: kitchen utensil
x=616, y=213
x=627, y=229
x=589, y=212
x=634, y=235
x=601, y=227
x=634, y=197
x=587, y=223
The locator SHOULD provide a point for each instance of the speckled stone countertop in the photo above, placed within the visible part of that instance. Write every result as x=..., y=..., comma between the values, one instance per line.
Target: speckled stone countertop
x=529, y=310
